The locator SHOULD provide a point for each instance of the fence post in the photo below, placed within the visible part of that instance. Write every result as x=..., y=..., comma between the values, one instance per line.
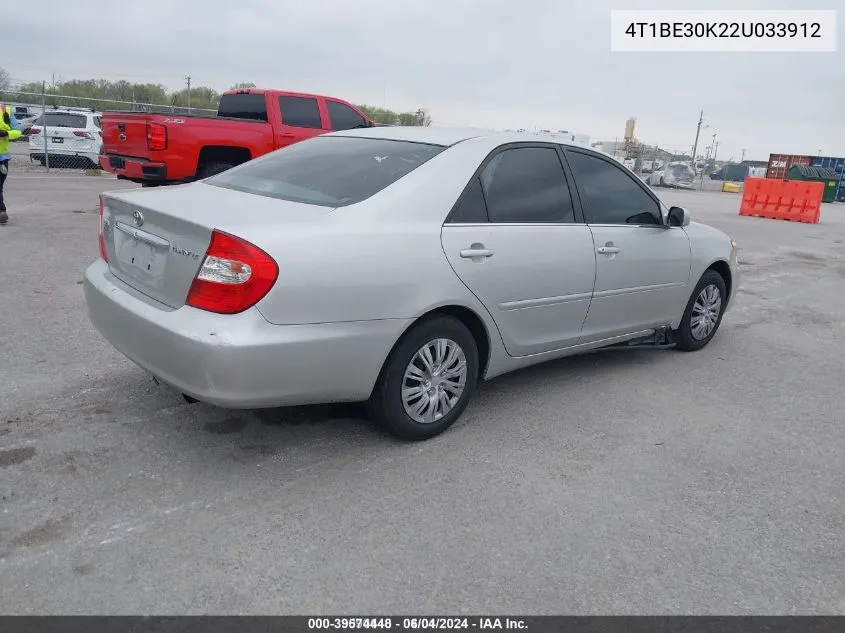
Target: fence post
x=44, y=122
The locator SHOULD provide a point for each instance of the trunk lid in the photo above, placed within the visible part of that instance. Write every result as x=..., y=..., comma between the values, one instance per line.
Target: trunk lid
x=125, y=134
x=156, y=239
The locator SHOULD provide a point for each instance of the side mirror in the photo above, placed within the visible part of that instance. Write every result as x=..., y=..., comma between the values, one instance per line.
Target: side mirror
x=678, y=216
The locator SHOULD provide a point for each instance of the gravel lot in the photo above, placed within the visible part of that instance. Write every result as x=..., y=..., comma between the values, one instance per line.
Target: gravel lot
x=621, y=482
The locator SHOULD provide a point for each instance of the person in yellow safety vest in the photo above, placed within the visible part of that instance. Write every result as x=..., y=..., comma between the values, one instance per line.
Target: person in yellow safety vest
x=10, y=130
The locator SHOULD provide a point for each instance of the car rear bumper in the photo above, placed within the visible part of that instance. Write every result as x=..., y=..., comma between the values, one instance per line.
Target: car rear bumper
x=239, y=361
x=136, y=169
x=38, y=153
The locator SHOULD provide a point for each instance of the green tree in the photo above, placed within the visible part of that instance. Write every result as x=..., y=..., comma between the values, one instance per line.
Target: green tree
x=389, y=117
x=103, y=94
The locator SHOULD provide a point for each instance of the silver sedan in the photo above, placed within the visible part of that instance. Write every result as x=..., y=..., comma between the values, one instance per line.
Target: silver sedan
x=398, y=267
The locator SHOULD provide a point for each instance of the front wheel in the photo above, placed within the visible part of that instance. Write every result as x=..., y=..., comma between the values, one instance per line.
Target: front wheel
x=427, y=380
x=703, y=313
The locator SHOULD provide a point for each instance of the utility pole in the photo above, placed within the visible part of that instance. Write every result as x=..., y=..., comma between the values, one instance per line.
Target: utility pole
x=44, y=127
x=715, y=149
x=743, y=156
x=697, y=132
x=188, y=81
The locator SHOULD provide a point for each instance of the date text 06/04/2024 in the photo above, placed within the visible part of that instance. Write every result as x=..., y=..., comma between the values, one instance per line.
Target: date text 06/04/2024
x=415, y=624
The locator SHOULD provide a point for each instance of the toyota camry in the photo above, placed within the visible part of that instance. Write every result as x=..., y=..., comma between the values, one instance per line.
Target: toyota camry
x=399, y=267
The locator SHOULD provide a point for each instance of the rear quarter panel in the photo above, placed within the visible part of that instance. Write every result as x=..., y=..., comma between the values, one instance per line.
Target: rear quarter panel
x=187, y=136
x=379, y=259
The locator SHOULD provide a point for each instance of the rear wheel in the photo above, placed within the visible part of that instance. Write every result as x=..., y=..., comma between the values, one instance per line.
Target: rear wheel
x=427, y=381
x=703, y=313
x=210, y=169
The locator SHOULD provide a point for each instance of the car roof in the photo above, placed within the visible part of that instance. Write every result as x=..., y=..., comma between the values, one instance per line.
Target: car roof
x=449, y=136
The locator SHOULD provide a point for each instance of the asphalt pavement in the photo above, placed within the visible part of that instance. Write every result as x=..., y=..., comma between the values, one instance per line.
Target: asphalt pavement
x=624, y=482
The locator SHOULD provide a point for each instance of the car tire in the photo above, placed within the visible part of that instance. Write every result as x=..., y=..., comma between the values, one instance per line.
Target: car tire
x=398, y=402
x=211, y=169
x=702, y=316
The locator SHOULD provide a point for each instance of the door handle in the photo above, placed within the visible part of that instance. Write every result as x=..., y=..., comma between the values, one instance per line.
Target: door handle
x=475, y=253
x=608, y=250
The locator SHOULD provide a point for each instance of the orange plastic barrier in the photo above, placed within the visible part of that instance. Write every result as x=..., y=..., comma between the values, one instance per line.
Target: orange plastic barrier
x=792, y=200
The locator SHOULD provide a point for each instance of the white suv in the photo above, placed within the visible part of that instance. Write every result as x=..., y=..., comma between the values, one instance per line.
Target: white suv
x=72, y=136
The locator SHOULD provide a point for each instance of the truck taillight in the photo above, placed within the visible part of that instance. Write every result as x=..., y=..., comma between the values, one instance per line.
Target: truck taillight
x=103, y=252
x=156, y=137
x=234, y=276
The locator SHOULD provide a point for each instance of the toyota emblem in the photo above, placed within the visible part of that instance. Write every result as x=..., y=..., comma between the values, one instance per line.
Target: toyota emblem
x=138, y=218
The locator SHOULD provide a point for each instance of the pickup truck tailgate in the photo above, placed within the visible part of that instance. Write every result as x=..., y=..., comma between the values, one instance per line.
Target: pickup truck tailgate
x=125, y=134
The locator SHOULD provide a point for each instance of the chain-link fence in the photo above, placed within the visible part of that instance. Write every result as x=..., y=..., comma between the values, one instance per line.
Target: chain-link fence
x=63, y=131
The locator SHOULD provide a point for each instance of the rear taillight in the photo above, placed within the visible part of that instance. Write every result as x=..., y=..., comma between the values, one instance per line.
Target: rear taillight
x=83, y=134
x=35, y=130
x=103, y=253
x=156, y=137
x=234, y=276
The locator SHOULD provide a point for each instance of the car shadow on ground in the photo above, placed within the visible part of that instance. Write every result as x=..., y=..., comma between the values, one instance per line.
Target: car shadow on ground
x=561, y=372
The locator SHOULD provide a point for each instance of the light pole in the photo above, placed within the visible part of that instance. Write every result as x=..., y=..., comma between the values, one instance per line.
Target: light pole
x=188, y=81
x=743, y=157
x=697, y=132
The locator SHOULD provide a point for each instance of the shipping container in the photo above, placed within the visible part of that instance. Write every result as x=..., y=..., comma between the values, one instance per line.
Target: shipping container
x=779, y=164
x=837, y=165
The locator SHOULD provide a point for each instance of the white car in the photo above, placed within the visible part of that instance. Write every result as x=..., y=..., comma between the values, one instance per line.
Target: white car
x=72, y=136
x=678, y=175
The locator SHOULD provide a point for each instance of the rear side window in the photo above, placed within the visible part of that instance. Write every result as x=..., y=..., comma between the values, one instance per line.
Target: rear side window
x=243, y=106
x=329, y=171
x=61, y=119
x=300, y=112
x=343, y=117
x=527, y=184
x=472, y=208
x=97, y=122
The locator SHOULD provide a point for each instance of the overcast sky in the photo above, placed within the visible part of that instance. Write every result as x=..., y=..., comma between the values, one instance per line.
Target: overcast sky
x=485, y=63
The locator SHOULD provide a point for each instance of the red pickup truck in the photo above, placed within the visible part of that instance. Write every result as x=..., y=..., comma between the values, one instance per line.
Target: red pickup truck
x=157, y=149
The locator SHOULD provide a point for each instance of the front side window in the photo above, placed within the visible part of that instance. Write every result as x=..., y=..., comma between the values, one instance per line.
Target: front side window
x=300, y=112
x=527, y=184
x=612, y=195
x=329, y=171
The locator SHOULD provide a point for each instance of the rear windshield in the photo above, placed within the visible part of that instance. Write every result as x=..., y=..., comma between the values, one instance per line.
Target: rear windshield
x=330, y=171
x=61, y=119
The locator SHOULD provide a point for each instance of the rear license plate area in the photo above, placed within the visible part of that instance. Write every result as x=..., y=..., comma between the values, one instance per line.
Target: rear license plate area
x=57, y=140
x=116, y=162
x=141, y=260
